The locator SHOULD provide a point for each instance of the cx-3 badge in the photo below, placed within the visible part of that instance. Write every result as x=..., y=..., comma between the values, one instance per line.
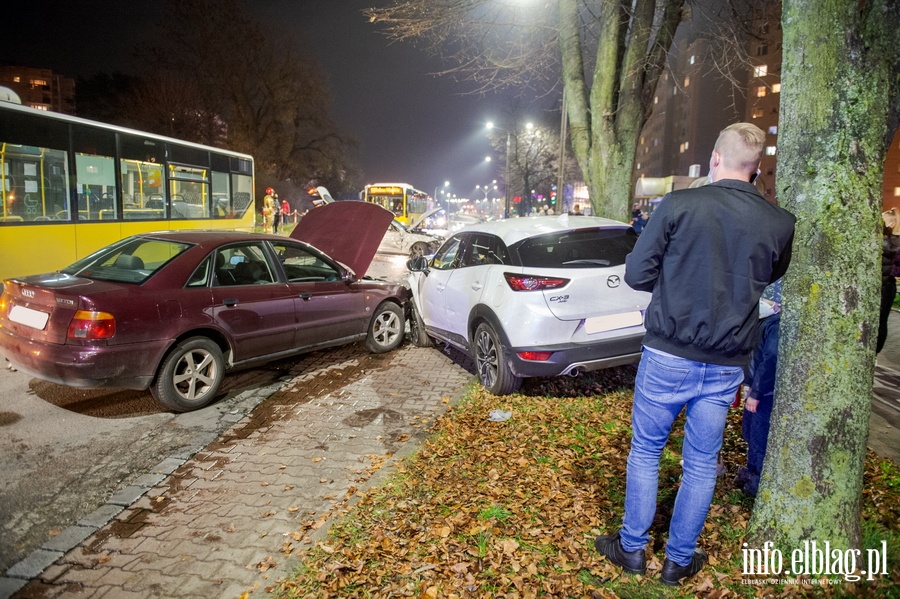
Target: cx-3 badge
x=613, y=281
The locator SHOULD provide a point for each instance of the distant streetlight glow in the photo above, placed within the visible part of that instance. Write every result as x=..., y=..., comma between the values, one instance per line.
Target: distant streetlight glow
x=446, y=184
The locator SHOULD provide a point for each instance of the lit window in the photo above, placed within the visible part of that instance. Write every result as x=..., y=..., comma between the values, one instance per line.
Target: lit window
x=38, y=82
x=655, y=142
x=17, y=79
x=639, y=168
x=770, y=150
x=656, y=99
x=687, y=145
x=760, y=71
x=692, y=59
x=760, y=91
x=776, y=88
x=757, y=113
x=773, y=130
x=687, y=81
x=681, y=149
x=897, y=192
x=642, y=139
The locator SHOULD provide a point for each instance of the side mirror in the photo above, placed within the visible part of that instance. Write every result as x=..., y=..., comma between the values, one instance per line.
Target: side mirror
x=417, y=264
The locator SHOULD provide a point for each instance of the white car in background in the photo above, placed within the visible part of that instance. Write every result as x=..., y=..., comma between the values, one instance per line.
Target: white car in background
x=410, y=239
x=526, y=297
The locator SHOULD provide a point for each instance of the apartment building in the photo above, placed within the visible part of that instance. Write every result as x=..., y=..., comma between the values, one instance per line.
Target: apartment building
x=40, y=88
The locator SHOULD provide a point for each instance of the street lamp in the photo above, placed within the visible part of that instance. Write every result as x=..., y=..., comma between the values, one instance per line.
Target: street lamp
x=485, y=189
x=490, y=125
x=446, y=184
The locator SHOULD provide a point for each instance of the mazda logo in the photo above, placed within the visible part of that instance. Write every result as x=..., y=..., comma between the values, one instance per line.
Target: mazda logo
x=613, y=281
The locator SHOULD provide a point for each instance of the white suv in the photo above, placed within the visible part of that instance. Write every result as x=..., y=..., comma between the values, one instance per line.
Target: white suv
x=537, y=296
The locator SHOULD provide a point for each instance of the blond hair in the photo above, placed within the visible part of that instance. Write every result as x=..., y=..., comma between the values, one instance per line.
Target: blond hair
x=741, y=146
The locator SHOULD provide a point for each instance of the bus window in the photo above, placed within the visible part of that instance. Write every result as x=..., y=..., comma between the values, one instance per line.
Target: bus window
x=142, y=190
x=189, y=192
x=221, y=194
x=22, y=168
x=95, y=173
x=140, y=163
x=241, y=194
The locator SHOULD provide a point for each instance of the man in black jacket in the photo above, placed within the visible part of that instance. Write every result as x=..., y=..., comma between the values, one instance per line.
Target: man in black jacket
x=706, y=255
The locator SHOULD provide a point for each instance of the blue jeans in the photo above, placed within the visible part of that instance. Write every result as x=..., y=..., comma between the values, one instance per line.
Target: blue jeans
x=664, y=385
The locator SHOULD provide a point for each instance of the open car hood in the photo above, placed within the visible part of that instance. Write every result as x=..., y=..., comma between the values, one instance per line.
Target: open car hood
x=422, y=218
x=349, y=232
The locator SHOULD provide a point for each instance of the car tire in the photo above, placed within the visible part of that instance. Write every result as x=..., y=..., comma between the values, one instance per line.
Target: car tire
x=490, y=362
x=190, y=375
x=417, y=333
x=386, y=328
x=419, y=248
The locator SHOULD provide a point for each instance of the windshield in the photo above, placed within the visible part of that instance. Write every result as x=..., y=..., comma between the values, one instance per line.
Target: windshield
x=584, y=248
x=132, y=260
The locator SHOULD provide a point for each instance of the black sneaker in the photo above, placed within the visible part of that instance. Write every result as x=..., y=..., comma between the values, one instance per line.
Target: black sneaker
x=672, y=573
x=633, y=562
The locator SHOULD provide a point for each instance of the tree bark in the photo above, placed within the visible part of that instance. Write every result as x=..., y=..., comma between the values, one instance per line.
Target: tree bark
x=606, y=119
x=838, y=97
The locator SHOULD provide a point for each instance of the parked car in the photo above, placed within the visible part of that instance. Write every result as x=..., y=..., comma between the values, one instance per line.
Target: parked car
x=411, y=240
x=530, y=297
x=172, y=311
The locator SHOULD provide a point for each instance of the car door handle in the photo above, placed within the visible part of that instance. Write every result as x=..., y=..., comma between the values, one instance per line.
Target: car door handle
x=441, y=287
x=305, y=296
x=230, y=302
x=477, y=286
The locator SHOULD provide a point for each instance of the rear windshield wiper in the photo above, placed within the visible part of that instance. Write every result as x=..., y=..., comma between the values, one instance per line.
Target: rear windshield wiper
x=598, y=262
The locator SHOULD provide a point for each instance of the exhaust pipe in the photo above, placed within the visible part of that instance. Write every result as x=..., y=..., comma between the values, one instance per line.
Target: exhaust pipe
x=576, y=372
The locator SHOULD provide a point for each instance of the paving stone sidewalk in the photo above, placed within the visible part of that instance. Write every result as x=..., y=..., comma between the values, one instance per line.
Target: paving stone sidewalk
x=228, y=520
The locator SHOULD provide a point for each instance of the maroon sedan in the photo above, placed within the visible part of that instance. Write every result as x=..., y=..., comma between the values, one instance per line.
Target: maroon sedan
x=172, y=311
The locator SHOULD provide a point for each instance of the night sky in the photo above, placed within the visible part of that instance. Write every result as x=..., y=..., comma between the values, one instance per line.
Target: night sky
x=413, y=126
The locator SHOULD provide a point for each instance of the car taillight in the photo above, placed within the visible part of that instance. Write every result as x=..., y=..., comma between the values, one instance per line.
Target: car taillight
x=533, y=283
x=92, y=325
x=535, y=356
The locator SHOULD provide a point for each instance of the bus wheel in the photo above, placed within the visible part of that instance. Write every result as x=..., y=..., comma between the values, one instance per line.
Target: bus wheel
x=419, y=248
x=190, y=375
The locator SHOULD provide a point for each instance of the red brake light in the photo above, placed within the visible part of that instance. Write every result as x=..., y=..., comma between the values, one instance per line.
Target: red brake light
x=533, y=283
x=92, y=325
x=535, y=356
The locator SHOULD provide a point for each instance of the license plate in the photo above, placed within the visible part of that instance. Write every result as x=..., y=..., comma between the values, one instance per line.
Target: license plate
x=611, y=322
x=30, y=318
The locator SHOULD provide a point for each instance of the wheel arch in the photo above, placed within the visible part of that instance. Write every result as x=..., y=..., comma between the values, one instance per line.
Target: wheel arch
x=480, y=314
x=214, y=335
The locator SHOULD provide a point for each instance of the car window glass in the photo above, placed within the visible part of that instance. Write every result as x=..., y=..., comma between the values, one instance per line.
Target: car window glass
x=243, y=264
x=485, y=249
x=132, y=260
x=302, y=266
x=202, y=275
x=447, y=257
x=583, y=248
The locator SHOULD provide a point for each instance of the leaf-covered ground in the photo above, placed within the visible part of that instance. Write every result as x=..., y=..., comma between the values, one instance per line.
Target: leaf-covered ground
x=510, y=509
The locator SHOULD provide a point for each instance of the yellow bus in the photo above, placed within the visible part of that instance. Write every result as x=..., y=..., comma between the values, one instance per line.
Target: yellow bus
x=406, y=202
x=71, y=186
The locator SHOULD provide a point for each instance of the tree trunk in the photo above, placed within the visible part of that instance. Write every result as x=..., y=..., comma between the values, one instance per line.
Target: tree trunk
x=606, y=120
x=837, y=99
